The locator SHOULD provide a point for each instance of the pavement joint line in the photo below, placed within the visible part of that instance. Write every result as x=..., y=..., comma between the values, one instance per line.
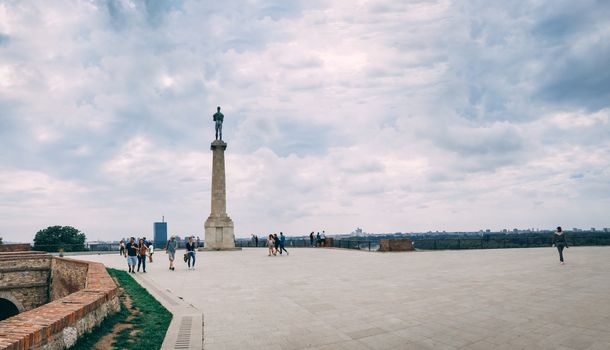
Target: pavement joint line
x=180, y=334
x=469, y=299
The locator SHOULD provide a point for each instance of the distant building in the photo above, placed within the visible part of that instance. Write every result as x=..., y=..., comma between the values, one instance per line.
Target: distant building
x=160, y=233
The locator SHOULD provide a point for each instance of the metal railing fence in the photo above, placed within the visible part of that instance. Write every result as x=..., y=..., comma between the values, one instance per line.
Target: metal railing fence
x=454, y=243
x=372, y=243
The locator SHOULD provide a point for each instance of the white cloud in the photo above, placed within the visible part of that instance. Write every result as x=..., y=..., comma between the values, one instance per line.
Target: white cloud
x=389, y=115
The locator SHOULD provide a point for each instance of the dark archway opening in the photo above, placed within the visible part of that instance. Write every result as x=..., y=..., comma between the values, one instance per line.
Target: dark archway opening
x=7, y=309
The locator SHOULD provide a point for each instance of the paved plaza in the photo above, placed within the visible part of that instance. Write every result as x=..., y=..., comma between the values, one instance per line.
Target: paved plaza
x=348, y=299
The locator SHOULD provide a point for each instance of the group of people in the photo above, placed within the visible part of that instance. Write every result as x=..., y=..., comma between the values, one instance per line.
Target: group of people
x=276, y=244
x=320, y=239
x=137, y=252
x=189, y=256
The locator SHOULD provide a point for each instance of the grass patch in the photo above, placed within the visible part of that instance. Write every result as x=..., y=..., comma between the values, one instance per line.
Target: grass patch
x=141, y=323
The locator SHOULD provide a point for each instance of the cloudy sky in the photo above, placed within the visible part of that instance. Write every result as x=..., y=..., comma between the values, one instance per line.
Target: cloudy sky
x=387, y=115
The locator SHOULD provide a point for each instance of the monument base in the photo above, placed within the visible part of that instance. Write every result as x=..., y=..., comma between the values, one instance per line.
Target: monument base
x=219, y=233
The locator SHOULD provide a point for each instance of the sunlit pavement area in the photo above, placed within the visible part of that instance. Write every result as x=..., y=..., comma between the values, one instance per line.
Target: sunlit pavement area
x=347, y=299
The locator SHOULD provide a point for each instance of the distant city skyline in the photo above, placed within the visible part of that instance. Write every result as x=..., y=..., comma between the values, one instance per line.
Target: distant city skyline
x=390, y=115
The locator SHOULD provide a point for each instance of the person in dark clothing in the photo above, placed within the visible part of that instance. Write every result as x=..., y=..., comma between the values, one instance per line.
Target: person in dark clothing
x=255, y=240
x=318, y=239
x=190, y=251
x=283, y=243
x=142, y=249
x=311, y=239
x=560, y=241
x=276, y=242
x=131, y=253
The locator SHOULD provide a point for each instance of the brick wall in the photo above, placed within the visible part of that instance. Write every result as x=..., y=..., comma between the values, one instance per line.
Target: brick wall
x=328, y=242
x=58, y=324
x=67, y=276
x=24, y=278
x=395, y=245
x=15, y=247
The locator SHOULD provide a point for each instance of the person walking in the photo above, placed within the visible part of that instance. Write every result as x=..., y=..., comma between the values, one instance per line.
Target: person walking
x=142, y=251
x=170, y=250
x=190, y=251
x=283, y=243
x=256, y=241
x=122, y=247
x=560, y=241
x=276, y=242
x=151, y=251
x=318, y=239
x=131, y=253
x=271, y=245
x=311, y=239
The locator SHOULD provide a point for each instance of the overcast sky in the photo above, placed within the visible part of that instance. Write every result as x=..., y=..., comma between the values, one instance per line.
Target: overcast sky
x=386, y=115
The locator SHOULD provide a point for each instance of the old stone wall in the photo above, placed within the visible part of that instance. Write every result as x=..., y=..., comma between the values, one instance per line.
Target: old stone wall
x=24, y=278
x=59, y=323
x=15, y=247
x=395, y=245
x=67, y=277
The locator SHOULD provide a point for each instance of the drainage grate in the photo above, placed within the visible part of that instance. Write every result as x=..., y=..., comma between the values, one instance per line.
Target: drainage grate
x=183, y=341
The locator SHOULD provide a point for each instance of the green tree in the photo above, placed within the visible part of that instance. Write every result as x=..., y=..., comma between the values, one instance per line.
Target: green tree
x=53, y=238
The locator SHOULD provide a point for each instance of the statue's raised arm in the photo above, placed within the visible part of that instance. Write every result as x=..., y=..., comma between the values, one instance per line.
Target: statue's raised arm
x=218, y=118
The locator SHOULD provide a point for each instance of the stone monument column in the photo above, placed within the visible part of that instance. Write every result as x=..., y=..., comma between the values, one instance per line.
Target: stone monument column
x=219, y=227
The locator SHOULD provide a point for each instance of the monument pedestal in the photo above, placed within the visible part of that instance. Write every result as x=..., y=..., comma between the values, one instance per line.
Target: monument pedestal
x=219, y=233
x=219, y=227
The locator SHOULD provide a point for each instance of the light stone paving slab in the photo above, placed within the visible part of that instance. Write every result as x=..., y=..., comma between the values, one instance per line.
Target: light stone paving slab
x=346, y=299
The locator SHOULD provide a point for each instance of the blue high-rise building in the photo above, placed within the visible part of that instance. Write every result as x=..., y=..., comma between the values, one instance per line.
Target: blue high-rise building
x=160, y=234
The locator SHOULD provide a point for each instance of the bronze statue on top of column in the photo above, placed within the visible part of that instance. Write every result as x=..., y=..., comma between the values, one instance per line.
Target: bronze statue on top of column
x=218, y=119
